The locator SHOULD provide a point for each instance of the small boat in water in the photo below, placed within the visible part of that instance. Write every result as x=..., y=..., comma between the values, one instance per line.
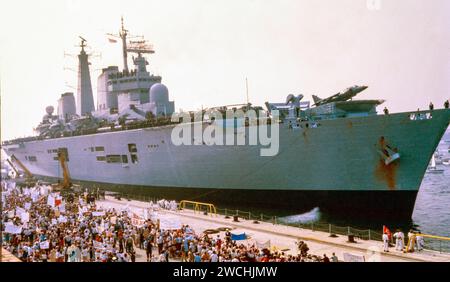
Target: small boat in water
x=432, y=168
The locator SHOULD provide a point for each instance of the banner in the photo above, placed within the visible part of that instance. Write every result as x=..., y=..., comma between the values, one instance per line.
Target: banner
x=170, y=223
x=137, y=220
x=19, y=211
x=44, y=190
x=35, y=197
x=44, y=245
x=238, y=237
x=13, y=229
x=353, y=258
x=98, y=213
x=97, y=245
x=146, y=214
x=25, y=217
x=51, y=201
x=265, y=245
x=62, y=219
x=10, y=214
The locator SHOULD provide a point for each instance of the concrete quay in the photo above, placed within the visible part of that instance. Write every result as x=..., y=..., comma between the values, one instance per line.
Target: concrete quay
x=6, y=256
x=284, y=237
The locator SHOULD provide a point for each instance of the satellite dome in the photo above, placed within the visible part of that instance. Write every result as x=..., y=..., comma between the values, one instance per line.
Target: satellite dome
x=49, y=110
x=159, y=93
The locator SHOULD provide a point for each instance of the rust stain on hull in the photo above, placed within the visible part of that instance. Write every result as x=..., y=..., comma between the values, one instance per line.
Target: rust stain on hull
x=387, y=173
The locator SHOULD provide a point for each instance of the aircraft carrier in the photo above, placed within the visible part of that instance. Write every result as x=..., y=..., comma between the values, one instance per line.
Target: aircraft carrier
x=337, y=154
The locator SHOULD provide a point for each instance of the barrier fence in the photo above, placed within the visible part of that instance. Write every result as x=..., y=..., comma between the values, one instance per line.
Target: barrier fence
x=362, y=234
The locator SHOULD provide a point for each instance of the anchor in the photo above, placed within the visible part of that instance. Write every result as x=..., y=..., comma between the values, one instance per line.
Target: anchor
x=388, y=154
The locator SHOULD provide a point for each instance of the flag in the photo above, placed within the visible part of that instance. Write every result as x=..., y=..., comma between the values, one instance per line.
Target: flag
x=238, y=237
x=51, y=201
x=262, y=246
x=112, y=40
x=58, y=201
x=387, y=231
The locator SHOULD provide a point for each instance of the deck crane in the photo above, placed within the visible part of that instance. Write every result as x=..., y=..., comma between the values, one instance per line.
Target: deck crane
x=66, y=184
x=28, y=175
x=13, y=167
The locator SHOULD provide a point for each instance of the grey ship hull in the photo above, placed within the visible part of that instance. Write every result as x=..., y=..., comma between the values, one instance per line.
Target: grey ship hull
x=336, y=166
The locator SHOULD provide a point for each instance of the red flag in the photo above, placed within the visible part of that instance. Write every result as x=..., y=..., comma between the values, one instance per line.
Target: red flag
x=387, y=231
x=58, y=201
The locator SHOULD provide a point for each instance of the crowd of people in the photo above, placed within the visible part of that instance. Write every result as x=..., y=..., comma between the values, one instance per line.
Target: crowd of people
x=415, y=241
x=41, y=226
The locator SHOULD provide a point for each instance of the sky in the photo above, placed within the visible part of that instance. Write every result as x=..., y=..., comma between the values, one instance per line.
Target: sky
x=206, y=48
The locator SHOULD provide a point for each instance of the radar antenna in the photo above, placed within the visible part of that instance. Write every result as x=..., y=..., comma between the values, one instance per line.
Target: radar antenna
x=83, y=43
x=139, y=46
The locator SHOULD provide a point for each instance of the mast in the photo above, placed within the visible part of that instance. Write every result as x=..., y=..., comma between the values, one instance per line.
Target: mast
x=123, y=35
x=140, y=47
x=85, y=99
x=246, y=87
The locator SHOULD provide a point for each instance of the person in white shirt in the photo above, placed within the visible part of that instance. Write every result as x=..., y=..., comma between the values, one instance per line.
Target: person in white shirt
x=420, y=242
x=386, y=242
x=334, y=258
x=214, y=257
x=399, y=240
x=85, y=254
x=59, y=256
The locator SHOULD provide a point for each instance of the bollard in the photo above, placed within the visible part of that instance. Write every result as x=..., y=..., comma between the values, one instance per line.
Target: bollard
x=226, y=214
x=262, y=217
x=312, y=226
x=237, y=212
x=329, y=228
x=369, y=234
x=249, y=216
x=348, y=230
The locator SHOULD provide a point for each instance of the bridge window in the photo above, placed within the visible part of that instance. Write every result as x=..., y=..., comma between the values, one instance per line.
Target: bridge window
x=124, y=159
x=101, y=158
x=134, y=159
